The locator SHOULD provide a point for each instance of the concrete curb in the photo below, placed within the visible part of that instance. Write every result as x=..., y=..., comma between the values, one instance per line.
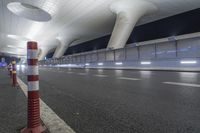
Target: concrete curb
x=51, y=120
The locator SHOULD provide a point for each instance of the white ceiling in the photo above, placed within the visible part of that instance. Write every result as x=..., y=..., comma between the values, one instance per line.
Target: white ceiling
x=83, y=19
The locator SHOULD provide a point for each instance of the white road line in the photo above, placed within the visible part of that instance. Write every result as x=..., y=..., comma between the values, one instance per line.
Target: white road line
x=70, y=72
x=126, y=78
x=182, y=84
x=81, y=73
x=51, y=120
x=101, y=76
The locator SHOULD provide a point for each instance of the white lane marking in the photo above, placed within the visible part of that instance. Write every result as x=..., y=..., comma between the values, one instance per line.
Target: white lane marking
x=101, y=76
x=70, y=72
x=182, y=84
x=126, y=78
x=51, y=120
x=81, y=73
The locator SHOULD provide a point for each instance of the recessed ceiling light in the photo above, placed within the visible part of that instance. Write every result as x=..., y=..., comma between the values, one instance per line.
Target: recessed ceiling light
x=11, y=36
x=29, y=11
x=11, y=46
x=16, y=47
x=19, y=38
x=29, y=6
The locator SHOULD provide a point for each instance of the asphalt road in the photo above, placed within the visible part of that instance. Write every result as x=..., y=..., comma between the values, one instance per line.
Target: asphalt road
x=123, y=101
x=13, y=106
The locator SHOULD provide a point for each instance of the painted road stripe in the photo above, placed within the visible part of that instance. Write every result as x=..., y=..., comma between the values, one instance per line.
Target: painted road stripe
x=70, y=72
x=51, y=120
x=81, y=73
x=182, y=84
x=126, y=78
x=57, y=71
x=102, y=76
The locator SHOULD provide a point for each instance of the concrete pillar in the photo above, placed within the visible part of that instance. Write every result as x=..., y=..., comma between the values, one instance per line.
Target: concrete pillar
x=62, y=47
x=60, y=50
x=49, y=45
x=43, y=53
x=128, y=13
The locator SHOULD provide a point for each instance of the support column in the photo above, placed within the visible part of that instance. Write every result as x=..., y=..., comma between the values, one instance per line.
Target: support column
x=43, y=53
x=60, y=50
x=128, y=13
x=33, y=124
x=62, y=47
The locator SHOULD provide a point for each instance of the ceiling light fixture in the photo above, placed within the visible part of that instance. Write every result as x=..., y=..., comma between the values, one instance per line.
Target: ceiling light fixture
x=11, y=46
x=29, y=11
x=15, y=37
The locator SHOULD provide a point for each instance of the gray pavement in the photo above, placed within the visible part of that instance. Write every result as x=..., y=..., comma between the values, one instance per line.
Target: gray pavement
x=12, y=106
x=123, y=101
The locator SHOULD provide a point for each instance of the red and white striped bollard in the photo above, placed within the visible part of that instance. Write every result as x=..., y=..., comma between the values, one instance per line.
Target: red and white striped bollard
x=10, y=70
x=33, y=124
x=14, y=74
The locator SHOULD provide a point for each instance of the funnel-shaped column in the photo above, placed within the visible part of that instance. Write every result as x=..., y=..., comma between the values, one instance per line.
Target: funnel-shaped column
x=43, y=53
x=128, y=13
x=49, y=45
x=62, y=47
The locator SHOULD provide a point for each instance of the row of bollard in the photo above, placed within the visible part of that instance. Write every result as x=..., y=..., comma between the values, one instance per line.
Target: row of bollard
x=12, y=72
x=33, y=110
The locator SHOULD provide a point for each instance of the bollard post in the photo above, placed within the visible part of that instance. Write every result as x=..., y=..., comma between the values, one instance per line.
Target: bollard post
x=33, y=123
x=10, y=70
x=14, y=74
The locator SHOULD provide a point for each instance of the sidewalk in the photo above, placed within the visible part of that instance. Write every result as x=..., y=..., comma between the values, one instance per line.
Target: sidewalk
x=12, y=106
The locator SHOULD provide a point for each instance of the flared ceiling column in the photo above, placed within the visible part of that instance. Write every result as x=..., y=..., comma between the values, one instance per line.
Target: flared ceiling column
x=62, y=47
x=43, y=53
x=49, y=45
x=128, y=13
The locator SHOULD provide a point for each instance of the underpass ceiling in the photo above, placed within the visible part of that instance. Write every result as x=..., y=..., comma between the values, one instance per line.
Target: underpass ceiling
x=84, y=19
